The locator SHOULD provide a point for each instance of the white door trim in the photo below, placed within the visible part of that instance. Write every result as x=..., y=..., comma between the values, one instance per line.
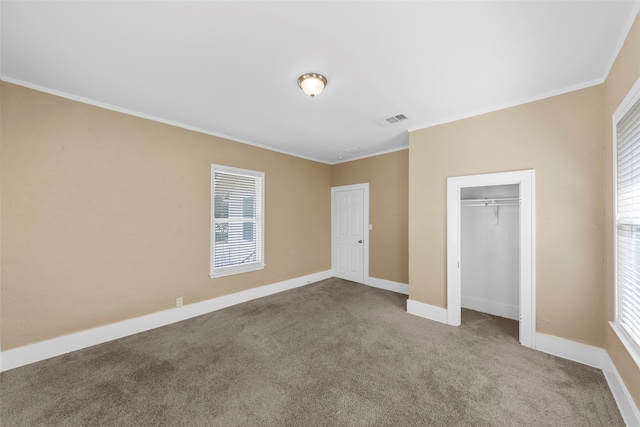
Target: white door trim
x=365, y=224
x=526, y=180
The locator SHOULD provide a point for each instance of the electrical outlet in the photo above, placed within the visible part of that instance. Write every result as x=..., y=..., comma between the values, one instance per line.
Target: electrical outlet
x=179, y=302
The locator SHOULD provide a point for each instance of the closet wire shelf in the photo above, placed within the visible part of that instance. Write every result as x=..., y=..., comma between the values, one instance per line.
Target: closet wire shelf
x=501, y=201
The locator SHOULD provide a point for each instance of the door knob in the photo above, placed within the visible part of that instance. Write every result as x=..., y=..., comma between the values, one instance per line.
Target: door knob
x=359, y=241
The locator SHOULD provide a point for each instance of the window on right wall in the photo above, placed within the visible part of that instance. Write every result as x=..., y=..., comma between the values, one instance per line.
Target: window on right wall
x=626, y=141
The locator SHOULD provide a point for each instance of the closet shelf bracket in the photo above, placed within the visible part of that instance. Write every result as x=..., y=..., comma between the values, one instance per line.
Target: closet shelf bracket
x=493, y=203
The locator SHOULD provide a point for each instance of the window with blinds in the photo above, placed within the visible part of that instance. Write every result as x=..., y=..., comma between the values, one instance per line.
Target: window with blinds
x=627, y=141
x=237, y=221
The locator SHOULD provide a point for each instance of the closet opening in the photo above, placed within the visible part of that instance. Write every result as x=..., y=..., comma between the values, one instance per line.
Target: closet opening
x=490, y=258
x=491, y=249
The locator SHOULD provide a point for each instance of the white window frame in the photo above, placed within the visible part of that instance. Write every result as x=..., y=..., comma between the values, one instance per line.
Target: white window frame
x=633, y=96
x=244, y=268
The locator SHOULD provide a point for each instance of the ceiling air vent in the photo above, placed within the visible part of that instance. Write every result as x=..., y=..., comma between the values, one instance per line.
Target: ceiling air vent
x=354, y=150
x=391, y=120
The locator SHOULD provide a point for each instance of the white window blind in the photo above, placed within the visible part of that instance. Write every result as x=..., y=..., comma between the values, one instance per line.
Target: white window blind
x=237, y=221
x=628, y=223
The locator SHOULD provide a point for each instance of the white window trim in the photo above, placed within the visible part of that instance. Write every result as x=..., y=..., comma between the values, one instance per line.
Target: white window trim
x=229, y=271
x=629, y=101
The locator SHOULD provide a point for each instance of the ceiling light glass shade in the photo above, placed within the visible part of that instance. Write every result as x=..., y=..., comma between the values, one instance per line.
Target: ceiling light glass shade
x=312, y=83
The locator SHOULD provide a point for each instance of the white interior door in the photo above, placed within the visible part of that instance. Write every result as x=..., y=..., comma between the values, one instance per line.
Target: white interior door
x=350, y=232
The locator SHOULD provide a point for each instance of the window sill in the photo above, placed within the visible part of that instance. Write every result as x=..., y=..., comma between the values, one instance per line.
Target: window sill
x=230, y=271
x=627, y=342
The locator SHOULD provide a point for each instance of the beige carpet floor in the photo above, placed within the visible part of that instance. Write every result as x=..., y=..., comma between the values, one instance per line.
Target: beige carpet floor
x=333, y=353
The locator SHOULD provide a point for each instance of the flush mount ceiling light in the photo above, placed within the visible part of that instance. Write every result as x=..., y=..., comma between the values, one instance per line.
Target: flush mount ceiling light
x=312, y=83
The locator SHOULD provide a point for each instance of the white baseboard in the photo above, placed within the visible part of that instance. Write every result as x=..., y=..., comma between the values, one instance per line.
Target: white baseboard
x=57, y=346
x=491, y=307
x=625, y=402
x=572, y=350
x=598, y=358
x=401, y=288
x=427, y=311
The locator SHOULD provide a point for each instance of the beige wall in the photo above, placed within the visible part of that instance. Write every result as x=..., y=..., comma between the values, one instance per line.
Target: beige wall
x=561, y=138
x=106, y=216
x=388, y=179
x=624, y=73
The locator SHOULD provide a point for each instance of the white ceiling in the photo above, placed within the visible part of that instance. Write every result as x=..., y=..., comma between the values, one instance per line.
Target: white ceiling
x=230, y=68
